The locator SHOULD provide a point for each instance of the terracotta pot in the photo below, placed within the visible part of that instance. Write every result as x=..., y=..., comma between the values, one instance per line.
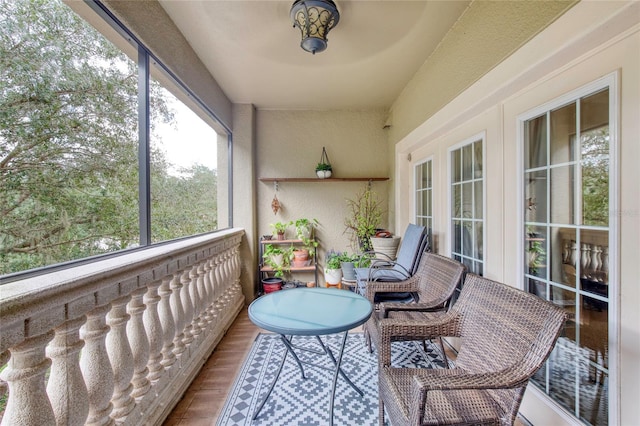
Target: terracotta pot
x=301, y=255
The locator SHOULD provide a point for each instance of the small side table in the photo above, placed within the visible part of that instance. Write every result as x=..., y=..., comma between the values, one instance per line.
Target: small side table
x=310, y=312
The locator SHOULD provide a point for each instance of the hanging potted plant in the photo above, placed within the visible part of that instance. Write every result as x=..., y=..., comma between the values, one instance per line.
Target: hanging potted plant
x=324, y=169
x=332, y=268
x=363, y=219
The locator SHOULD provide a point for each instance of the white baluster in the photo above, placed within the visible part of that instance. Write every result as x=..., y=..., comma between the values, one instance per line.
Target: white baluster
x=167, y=322
x=139, y=344
x=574, y=254
x=28, y=404
x=66, y=388
x=96, y=368
x=187, y=307
x=195, y=300
x=121, y=358
x=178, y=313
x=605, y=259
x=154, y=331
x=596, y=258
x=585, y=259
x=208, y=285
x=202, y=291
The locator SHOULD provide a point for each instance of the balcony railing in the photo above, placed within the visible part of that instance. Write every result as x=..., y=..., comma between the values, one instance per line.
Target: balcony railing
x=119, y=339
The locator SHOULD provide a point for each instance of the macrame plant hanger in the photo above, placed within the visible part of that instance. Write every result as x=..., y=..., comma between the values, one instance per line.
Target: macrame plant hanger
x=324, y=158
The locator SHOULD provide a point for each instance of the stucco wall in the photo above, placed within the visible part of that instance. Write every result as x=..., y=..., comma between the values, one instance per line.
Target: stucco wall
x=289, y=144
x=592, y=40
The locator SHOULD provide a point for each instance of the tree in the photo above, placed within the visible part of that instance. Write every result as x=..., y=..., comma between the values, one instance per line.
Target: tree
x=68, y=138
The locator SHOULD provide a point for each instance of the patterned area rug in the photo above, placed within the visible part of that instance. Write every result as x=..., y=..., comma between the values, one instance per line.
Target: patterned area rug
x=305, y=402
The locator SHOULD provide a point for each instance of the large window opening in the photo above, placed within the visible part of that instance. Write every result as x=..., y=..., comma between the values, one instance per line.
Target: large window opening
x=70, y=141
x=566, y=251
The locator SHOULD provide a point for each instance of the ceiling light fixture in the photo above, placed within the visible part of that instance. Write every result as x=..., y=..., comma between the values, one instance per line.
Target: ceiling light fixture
x=315, y=18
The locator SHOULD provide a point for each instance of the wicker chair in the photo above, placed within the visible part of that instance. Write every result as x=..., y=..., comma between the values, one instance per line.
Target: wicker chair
x=506, y=335
x=433, y=284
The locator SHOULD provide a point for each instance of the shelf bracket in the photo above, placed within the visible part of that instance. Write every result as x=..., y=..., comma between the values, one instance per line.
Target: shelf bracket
x=275, y=186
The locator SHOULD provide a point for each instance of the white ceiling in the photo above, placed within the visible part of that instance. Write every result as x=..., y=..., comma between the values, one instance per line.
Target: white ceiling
x=253, y=51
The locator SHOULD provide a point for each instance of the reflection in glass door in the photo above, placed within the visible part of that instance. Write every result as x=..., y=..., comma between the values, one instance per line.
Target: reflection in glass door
x=423, y=194
x=566, y=250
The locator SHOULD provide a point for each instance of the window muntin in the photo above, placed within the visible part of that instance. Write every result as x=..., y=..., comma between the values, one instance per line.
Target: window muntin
x=566, y=261
x=69, y=145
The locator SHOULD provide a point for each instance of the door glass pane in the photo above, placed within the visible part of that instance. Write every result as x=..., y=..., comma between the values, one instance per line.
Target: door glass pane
x=479, y=235
x=595, y=168
x=467, y=162
x=467, y=200
x=535, y=146
x=456, y=166
x=456, y=201
x=477, y=199
x=563, y=132
x=536, y=196
x=477, y=158
x=562, y=195
x=536, y=251
x=564, y=255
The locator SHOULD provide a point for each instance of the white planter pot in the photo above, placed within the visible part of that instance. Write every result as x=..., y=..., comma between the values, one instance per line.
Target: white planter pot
x=388, y=246
x=333, y=276
x=323, y=174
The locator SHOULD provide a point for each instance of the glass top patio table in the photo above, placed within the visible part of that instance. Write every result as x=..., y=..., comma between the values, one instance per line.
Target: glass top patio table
x=309, y=311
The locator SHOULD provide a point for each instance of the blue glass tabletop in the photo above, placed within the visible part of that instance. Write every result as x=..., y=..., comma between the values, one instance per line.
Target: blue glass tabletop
x=309, y=311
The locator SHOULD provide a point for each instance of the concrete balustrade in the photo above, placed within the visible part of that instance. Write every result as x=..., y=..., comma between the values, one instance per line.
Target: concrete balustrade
x=119, y=340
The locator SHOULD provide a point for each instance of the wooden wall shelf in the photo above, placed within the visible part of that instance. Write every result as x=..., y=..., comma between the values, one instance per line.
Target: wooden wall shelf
x=355, y=179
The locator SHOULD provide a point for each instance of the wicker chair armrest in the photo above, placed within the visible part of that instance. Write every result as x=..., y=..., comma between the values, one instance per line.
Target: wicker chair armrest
x=387, y=307
x=390, y=329
x=407, y=286
x=460, y=380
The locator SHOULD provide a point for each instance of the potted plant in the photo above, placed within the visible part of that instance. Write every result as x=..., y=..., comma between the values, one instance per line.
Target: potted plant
x=332, y=268
x=277, y=258
x=280, y=228
x=348, y=264
x=324, y=169
x=363, y=218
x=304, y=232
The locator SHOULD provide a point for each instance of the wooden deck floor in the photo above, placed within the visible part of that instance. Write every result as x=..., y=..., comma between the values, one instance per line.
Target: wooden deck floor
x=205, y=397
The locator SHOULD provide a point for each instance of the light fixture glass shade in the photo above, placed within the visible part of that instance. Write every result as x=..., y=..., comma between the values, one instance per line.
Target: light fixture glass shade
x=315, y=18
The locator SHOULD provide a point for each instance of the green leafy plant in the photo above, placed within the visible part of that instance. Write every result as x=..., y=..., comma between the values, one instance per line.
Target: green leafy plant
x=280, y=227
x=333, y=259
x=363, y=218
x=304, y=232
x=271, y=254
x=323, y=167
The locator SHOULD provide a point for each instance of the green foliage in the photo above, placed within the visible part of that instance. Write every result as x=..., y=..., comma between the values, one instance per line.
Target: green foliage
x=280, y=227
x=304, y=232
x=323, y=167
x=595, y=176
x=271, y=252
x=69, y=145
x=333, y=259
x=363, y=218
